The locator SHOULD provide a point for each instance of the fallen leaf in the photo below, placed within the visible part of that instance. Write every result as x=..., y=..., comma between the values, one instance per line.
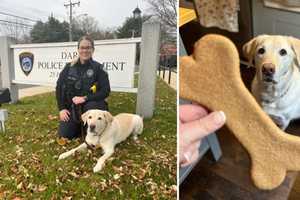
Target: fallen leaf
x=73, y=174
x=116, y=176
x=20, y=186
x=52, y=117
x=42, y=188
x=142, y=173
x=173, y=188
x=19, y=150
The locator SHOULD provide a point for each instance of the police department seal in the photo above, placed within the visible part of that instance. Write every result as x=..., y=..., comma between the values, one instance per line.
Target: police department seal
x=90, y=72
x=26, y=62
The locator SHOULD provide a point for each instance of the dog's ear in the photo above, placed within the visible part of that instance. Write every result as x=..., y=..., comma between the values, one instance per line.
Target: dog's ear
x=250, y=47
x=74, y=61
x=84, y=117
x=108, y=117
x=295, y=43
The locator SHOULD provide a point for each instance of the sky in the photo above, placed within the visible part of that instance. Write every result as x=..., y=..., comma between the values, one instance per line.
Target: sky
x=108, y=13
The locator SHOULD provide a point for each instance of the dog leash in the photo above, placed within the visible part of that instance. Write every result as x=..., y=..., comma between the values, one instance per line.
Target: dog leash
x=89, y=146
x=81, y=123
x=76, y=115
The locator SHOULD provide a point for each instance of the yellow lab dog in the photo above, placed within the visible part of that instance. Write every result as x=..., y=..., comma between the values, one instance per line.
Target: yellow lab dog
x=276, y=85
x=104, y=130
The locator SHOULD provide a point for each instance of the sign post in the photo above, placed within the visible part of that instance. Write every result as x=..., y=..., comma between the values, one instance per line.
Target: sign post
x=7, y=69
x=147, y=76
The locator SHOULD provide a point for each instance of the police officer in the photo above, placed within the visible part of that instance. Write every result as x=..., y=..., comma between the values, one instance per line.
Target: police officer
x=82, y=85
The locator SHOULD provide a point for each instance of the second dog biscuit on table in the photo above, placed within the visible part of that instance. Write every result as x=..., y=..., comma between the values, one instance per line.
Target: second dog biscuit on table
x=211, y=77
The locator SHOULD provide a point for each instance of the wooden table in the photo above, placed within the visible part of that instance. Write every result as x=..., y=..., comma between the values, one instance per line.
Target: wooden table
x=229, y=178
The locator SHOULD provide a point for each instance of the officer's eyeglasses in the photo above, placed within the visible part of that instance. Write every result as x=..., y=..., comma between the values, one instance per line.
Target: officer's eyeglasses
x=86, y=48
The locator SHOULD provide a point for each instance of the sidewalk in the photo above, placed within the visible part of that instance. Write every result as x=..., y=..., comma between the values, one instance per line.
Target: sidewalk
x=31, y=91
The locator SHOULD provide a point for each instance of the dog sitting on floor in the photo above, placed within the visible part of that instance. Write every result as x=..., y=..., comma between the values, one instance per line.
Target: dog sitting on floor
x=105, y=131
x=276, y=85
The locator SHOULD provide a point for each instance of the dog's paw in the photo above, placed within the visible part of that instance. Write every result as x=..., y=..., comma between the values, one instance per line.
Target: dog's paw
x=62, y=156
x=97, y=168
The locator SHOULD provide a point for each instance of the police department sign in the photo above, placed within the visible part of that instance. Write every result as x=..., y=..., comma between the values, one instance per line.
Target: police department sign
x=26, y=62
x=42, y=63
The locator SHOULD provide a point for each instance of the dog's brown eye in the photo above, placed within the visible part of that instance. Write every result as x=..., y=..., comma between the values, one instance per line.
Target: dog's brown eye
x=90, y=117
x=261, y=51
x=282, y=52
x=99, y=118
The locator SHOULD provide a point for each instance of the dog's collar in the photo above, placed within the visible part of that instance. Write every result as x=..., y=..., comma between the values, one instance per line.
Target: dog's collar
x=281, y=95
x=287, y=88
x=95, y=147
x=285, y=92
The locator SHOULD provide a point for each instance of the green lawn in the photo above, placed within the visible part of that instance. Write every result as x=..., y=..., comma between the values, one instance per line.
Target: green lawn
x=137, y=170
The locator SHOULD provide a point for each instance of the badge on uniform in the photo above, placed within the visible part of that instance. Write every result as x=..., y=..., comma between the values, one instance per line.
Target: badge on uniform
x=26, y=62
x=90, y=73
x=93, y=89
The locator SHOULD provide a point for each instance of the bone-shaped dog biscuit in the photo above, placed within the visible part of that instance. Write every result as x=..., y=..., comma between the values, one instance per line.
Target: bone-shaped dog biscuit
x=211, y=77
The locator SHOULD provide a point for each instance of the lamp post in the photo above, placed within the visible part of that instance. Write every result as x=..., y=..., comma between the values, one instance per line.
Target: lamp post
x=70, y=17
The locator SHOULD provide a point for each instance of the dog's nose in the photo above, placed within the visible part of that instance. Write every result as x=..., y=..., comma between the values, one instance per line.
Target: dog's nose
x=92, y=127
x=268, y=69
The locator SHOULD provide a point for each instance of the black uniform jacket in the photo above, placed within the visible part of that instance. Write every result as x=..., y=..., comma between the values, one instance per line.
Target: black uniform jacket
x=77, y=79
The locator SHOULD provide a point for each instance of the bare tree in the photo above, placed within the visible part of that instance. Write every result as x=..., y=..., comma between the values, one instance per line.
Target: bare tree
x=165, y=10
x=104, y=34
x=87, y=24
x=15, y=27
x=25, y=39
